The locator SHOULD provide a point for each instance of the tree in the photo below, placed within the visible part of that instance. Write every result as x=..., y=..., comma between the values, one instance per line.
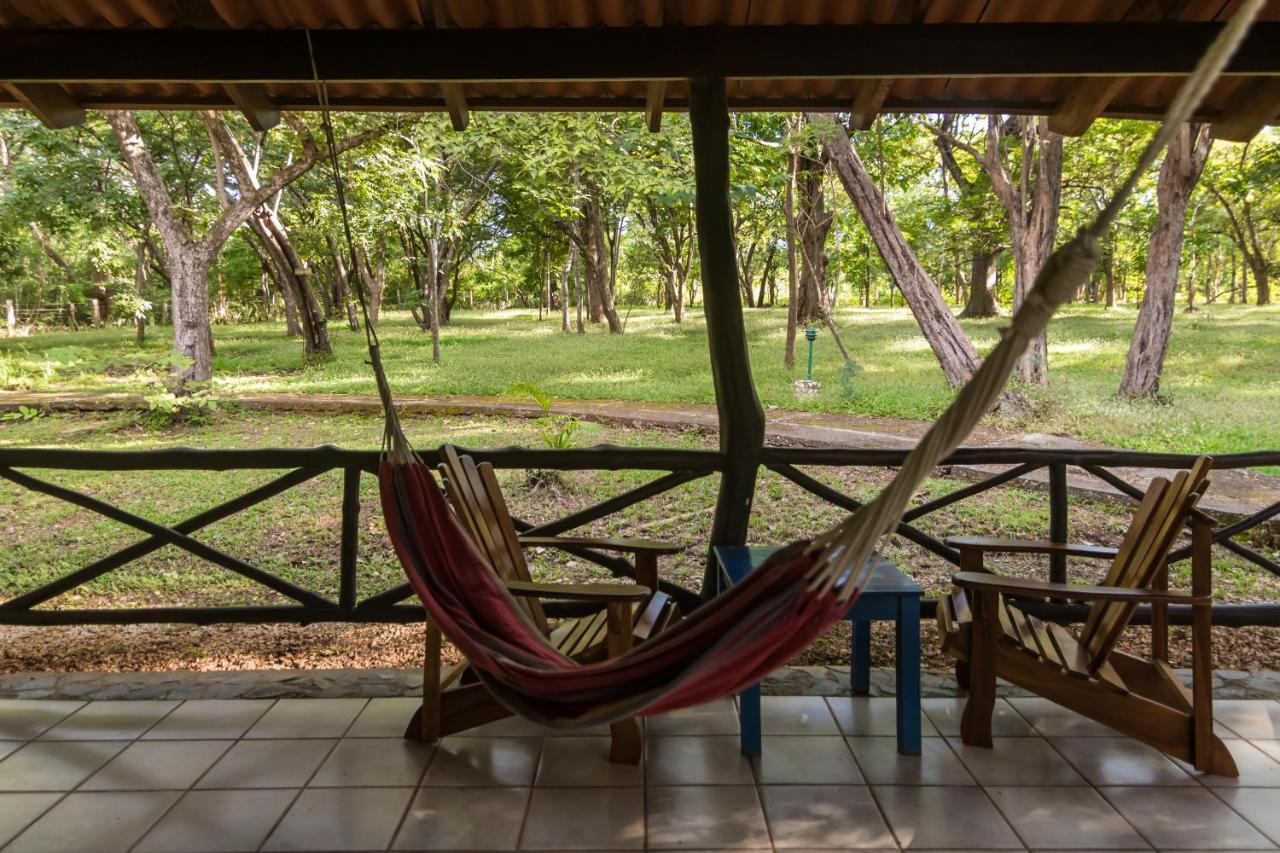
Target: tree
x=190, y=254
x=1184, y=160
x=1030, y=203
x=980, y=302
x=283, y=261
x=1245, y=189
x=952, y=347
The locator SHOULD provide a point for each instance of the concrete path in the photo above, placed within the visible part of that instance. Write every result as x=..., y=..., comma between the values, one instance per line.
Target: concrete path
x=1233, y=493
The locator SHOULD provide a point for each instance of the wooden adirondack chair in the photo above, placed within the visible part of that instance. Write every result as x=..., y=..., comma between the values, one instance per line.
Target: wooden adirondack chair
x=984, y=627
x=452, y=701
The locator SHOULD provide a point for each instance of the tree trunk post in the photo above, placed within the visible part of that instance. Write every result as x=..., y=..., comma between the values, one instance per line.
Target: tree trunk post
x=741, y=418
x=1183, y=162
x=10, y=318
x=71, y=317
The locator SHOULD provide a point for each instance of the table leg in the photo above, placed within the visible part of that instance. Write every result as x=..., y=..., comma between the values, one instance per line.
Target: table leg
x=749, y=720
x=907, y=674
x=860, y=657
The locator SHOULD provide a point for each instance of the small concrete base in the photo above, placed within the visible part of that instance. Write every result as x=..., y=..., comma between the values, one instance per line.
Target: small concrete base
x=807, y=387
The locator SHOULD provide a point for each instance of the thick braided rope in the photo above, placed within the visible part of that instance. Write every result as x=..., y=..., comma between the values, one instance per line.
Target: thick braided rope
x=842, y=552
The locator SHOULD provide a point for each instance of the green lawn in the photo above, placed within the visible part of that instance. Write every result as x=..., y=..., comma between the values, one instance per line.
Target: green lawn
x=1222, y=378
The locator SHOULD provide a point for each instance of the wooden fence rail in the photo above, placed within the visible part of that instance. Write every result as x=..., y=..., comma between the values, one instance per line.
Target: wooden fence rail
x=676, y=468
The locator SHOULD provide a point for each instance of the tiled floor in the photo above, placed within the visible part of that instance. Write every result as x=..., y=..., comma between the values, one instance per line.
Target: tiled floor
x=333, y=774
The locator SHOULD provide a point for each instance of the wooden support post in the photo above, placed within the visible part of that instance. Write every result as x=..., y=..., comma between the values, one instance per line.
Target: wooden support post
x=740, y=414
x=350, y=537
x=1058, y=525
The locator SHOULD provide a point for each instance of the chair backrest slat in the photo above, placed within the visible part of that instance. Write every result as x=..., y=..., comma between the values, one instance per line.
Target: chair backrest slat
x=1156, y=524
x=478, y=498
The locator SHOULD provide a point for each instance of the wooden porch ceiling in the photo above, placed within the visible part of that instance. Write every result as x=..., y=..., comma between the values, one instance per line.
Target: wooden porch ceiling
x=1074, y=60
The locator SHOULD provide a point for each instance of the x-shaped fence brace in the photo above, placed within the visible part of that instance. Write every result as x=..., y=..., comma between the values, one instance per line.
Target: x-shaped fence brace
x=387, y=605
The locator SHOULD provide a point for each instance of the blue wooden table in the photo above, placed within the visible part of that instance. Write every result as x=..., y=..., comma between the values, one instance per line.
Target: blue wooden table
x=889, y=595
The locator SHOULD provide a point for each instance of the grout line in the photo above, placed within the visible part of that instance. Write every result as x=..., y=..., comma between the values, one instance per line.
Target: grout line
x=528, y=800
x=196, y=781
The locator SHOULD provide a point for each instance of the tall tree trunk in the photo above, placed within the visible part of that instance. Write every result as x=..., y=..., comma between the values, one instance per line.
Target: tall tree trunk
x=594, y=253
x=793, y=277
x=286, y=264
x=813, y=223
x=980, y=302
x=270, y=269
x=189, y=259
x=1183, y=162
x=342, y=277
x=564, y=287
x=951, y=346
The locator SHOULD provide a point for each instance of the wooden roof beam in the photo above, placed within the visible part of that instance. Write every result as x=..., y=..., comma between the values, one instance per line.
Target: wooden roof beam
x=49, y=102
x=871, y=93
x=1249, y=112
x=1088, y=100
x=1092, y=95
x=458, y=55
x=654, y=97
x=455, y=100
x=252, y=100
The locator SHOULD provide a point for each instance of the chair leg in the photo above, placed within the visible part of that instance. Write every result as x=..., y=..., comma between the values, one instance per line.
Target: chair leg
x=425, y=724
x=962, y=674
x=975, y=724
x=627, y=743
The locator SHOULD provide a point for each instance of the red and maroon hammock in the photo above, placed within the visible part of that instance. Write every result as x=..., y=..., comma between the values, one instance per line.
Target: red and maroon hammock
x=751, y=630
x=781, y=607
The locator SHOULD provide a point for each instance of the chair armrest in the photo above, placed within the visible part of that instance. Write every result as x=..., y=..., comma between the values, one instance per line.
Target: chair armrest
x=1031, y=546
x=986, y=582
x=630, y=546
x=604, y=592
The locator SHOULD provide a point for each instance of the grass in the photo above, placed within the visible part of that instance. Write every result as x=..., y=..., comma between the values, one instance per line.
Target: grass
x=1221, y=382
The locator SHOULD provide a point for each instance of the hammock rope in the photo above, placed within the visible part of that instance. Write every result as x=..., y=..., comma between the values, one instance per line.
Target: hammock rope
x=780, y=608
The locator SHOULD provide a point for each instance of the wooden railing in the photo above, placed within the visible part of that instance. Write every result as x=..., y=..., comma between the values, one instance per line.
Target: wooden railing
x=676, y=468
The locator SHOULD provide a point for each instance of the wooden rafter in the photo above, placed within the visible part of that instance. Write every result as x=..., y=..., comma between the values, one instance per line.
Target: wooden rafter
x=455, y=100
x=1249, y=112
x=871, y=93
x=654, y=97
x=1091, y=96
x=252, y=100
x=49, y=102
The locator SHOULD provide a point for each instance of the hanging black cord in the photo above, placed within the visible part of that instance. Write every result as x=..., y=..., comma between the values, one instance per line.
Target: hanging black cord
x=395, y=444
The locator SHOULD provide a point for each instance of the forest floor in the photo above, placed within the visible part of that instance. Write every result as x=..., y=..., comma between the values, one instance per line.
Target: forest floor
x=1220, y=391
x=296, y=536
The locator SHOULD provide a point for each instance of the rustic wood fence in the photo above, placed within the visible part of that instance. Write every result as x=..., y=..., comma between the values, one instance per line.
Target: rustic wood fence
x=674, y=467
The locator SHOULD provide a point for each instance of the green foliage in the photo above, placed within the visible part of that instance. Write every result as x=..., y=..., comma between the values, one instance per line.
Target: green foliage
x=167, y=409
x=23, y=413
x=557, y=430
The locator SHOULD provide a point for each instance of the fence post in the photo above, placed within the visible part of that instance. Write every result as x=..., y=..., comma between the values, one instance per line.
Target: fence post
x=10, y=319
x=350, y=536
x=1058, y=526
